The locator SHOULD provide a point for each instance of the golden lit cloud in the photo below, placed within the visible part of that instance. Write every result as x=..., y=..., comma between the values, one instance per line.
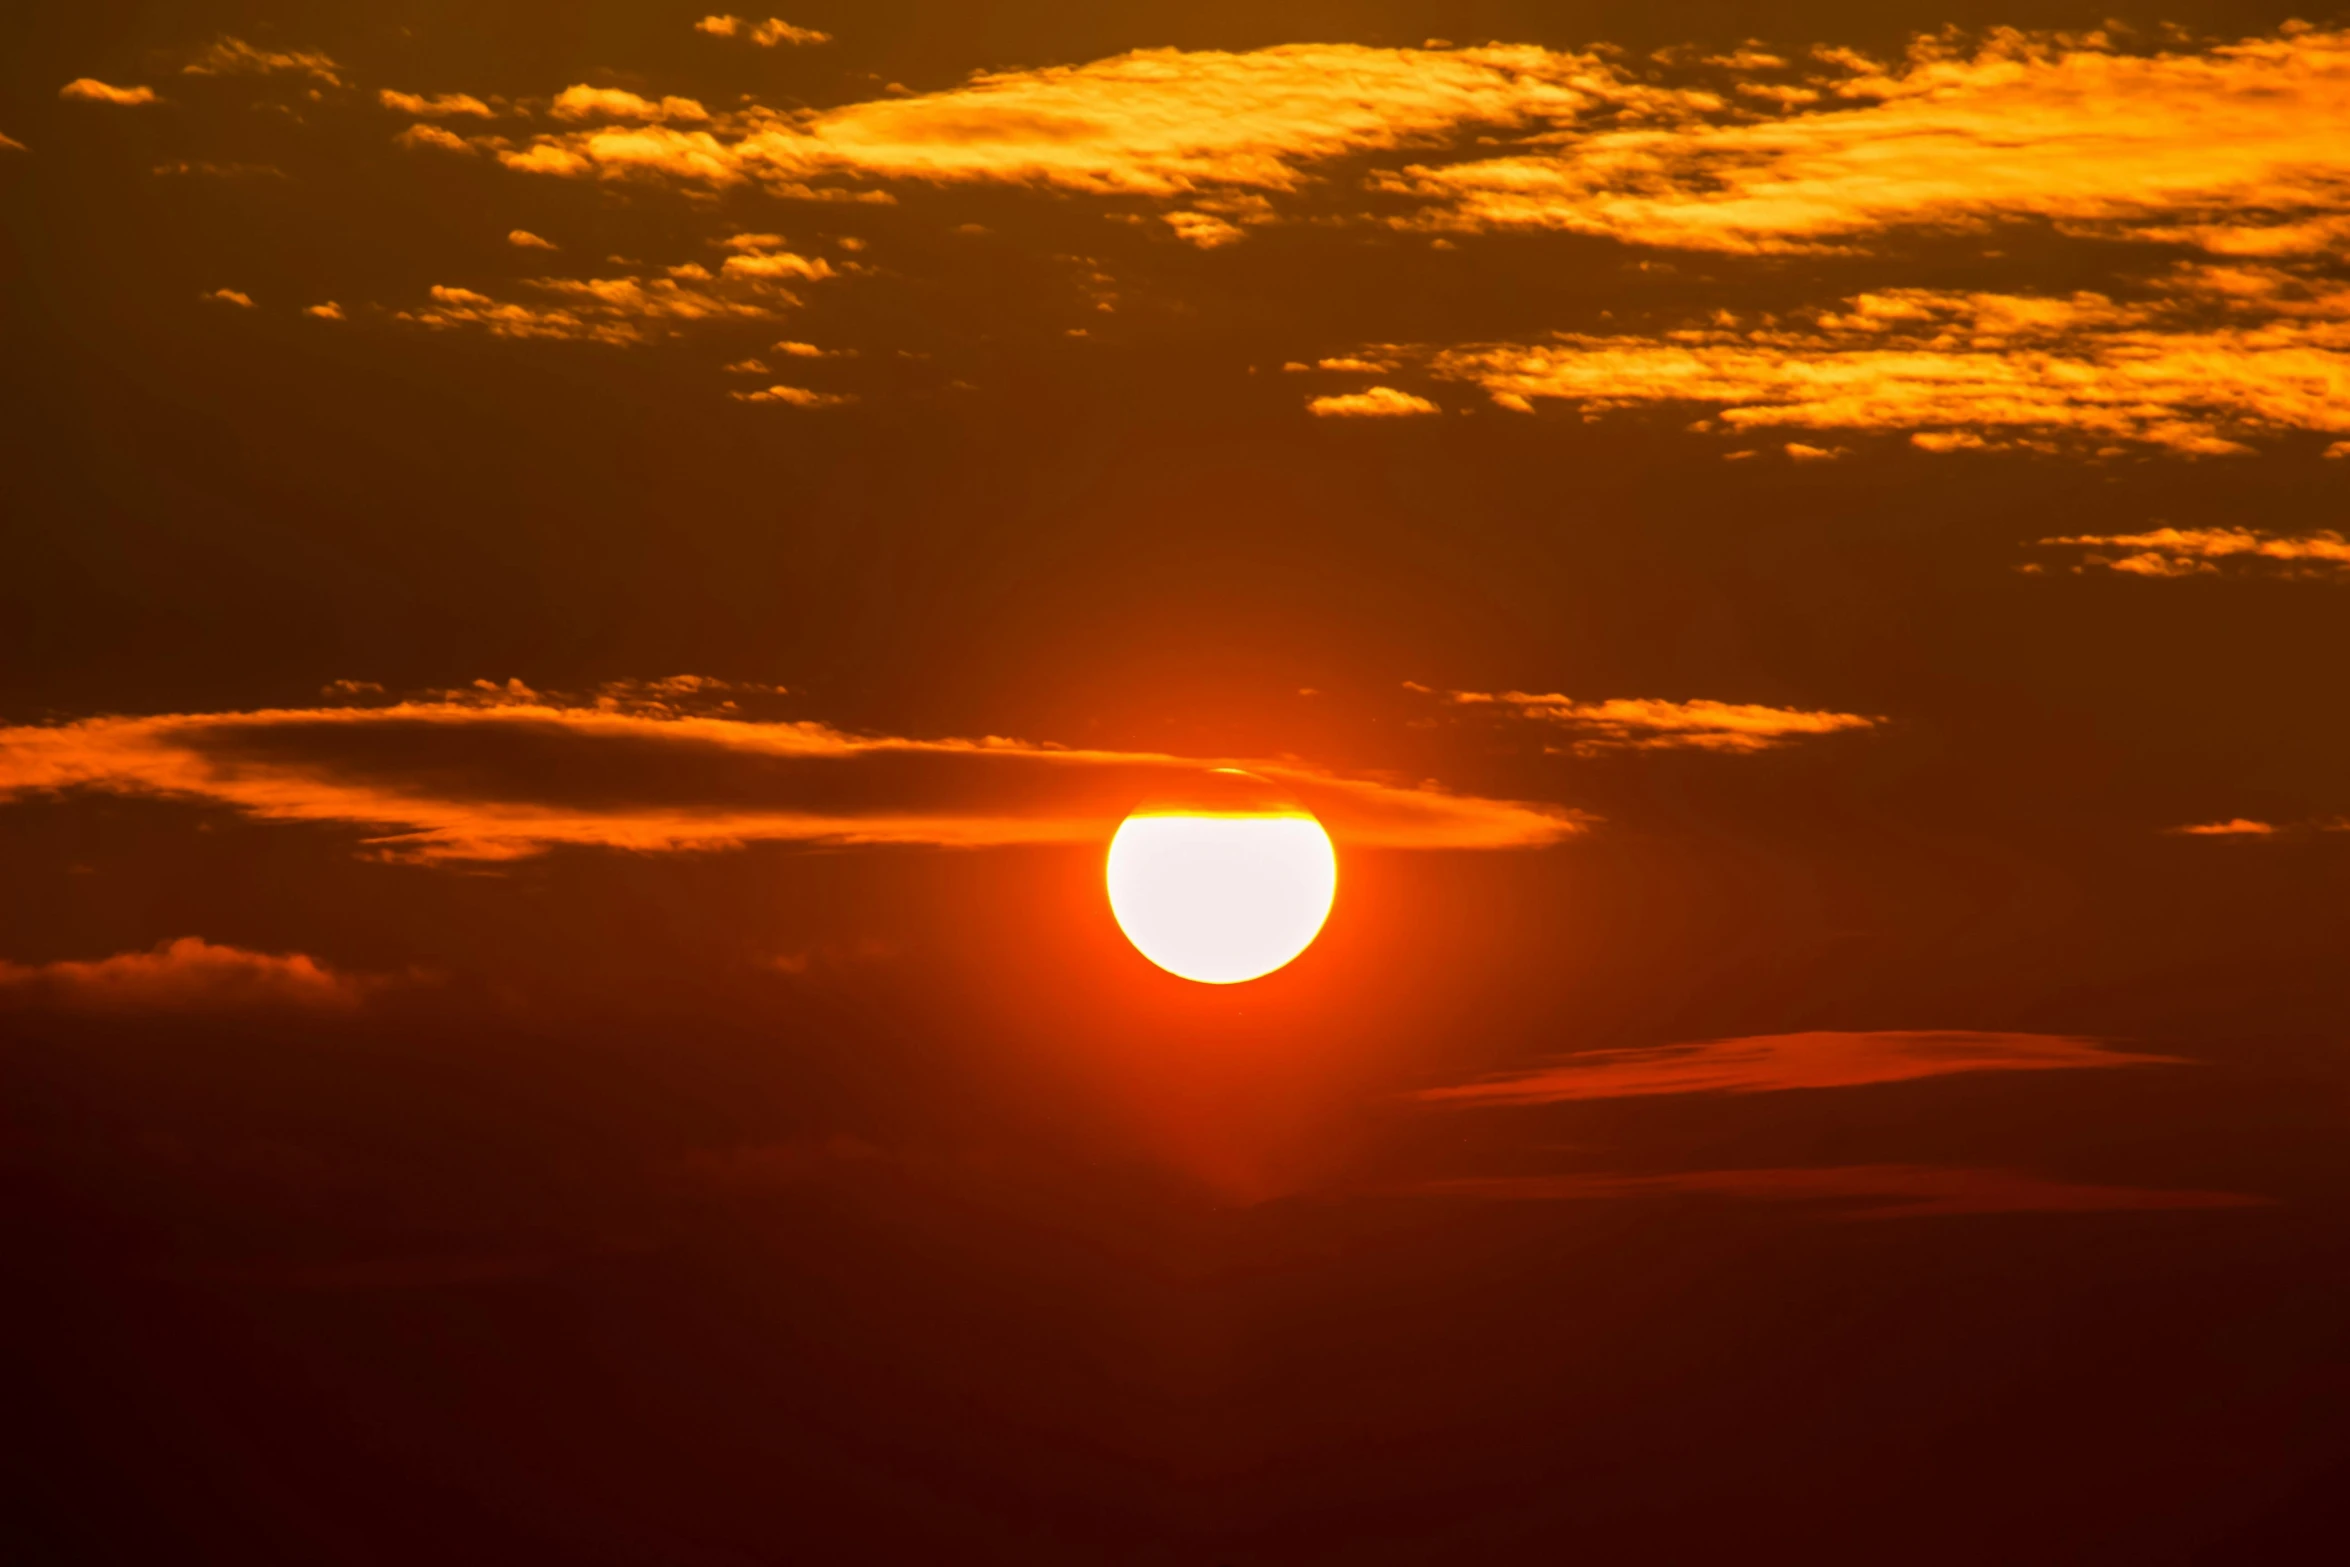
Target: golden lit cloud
x=1863, y=1191
x=795, y=396
x=2250, y=136
x=613, y=103
x=436, y=106
x=187, y=975
x=330, y=311
x=230, y=296
x=1645, y=724
x=504, y=772
x=1380, y=402
x=629, y=310
x=2246, y=827
x=235, y=57
x=526, y=240
x=2193, y=552
x=423, y=135
x=1775, y=1063
x=1973, y=371
x=765, y=34
x=88, y=89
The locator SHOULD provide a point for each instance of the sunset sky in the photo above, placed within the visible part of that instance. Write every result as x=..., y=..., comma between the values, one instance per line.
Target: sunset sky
x=586, y=585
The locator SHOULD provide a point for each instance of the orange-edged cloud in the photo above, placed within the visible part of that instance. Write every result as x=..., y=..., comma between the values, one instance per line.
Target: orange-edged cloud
x=187, y=975
x=88, y=89
x=511, y=774
x=626, y=311
x=1646, y=724
x=1857, y=1191
x=766, y=35
x=235, y=57
x=1775, y=1063
x=792, y=396
x=1380, y=402
x=616, y=103
x=2231, y=143
x=436, y=105
x=2248, y=827
x=2197, y=370
x=2193, y=552
x=229, y=296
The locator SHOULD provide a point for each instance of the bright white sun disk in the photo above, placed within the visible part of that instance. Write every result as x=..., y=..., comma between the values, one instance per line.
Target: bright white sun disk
x=1221, y=898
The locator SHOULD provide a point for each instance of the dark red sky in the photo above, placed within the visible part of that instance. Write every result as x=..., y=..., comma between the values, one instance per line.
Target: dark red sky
x=583, y=593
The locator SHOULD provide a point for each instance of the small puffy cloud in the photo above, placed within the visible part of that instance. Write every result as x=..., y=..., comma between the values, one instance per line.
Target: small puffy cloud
x=2204, y=552
x=329, y=311
x=765, y=34
x=795, y=396
x=1776, y=1063
x=423, y=135
x=88, y=89
x=187, y=975
x=1868, y=1191
x=436, y=106
x=524, y=239
x=615, y=103
x=229, y=296
x=621, y=311
x=799, y=350
x=1380, y=402
x=1800, y=452
x=1203, y=229
x=235, y=57
x=748, y=367
x=1648, y=724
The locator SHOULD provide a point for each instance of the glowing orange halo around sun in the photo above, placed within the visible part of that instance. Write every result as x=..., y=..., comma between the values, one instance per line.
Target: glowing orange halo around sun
x=1223, y=883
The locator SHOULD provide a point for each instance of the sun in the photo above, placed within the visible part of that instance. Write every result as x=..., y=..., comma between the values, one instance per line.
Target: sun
x=1223, y=883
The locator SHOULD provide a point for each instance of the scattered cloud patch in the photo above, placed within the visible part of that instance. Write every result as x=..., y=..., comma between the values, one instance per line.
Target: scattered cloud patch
x=435, y=106
x=423, y=135
x=2208, y=552
x=765, y=34
x=794, y=396
x=235, y=57
x=187, y=975
x=614, y=103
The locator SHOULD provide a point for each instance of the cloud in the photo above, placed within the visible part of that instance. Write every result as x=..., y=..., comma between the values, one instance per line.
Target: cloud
x=9, y=143
x=2226, y=144
x=625, y=311
x=1862, y=1191
x=503, y=772
x=329, y=311
x=1159, y=123
x=2194, y=552
x=526, y=240
x=423, y=135
x=436, y=106
x=1203, y=229
x=614, y=103
x=1380, y=402
x=235, y=57
x=796, y=396
x=1774, y=1063
x=2246, y=827
x=1647, y=724
x=187, y=975
x=1975, y=371
x=230, y=296
x=765, y=34
x=88, y=89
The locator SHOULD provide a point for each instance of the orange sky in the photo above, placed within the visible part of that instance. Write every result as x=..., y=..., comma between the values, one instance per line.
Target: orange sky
x=587, y=584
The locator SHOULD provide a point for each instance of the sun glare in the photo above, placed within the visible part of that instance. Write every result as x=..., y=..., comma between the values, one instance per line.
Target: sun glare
x=1221, y=896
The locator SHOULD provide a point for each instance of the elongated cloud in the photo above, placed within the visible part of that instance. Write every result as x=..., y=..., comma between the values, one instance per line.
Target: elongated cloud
x=1775, y=1063
x=1641, y=724
x=2230, y=143
x=2205, y=552
x=438, y=105
x=9, y=143
x=457, y=779
x=748, y=286
x=1380, y=402
x=1980, y=371
x=1162, y=122
x=235, y=57
x=88, y=89
x=765, y=34
x=187, y=975
x=1856, y=1191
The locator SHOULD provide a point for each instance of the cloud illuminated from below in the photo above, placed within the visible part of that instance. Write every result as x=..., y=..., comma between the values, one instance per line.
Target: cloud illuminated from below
x=187, y=975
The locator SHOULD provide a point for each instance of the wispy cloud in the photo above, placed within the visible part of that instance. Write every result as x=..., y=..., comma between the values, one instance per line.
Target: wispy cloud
x=9, y=143
x=1647, y=724
x=748, y=286
x=2197, y=369
x=1775, y=1063
x=2206, y=552
x=506, y=772
x=230, y=296
x=187, y=975
x=88, y=89
x=793, y=396
x=524, y=239
x=2249, y=827
x=1857, y=1191
x=235, y=57
x=435, y=106
x=765, y=34
x=615, y=103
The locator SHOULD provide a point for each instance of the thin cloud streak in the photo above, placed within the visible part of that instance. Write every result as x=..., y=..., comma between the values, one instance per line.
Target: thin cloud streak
x=1777, y=1063
x=464, y=780
x=187, y=975
x=2208, y=552
x=88, y=89
x=1860, y=1191
x=1645, y=724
